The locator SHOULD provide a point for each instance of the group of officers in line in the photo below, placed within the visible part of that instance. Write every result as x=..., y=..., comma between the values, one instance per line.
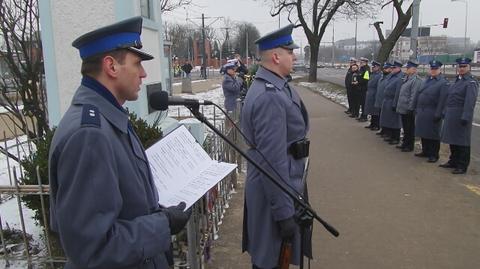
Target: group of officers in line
x=433, y=109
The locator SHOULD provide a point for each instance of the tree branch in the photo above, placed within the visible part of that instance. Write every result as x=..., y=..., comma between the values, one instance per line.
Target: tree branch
x=377, y=26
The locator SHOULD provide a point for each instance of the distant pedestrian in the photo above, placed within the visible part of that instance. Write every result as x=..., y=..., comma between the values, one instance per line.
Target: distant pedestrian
x=370, y=97
x=389, y=118
x=348, y=84
x=405, y=105
x=187, y=68
x=429, y=102
x=459, y=109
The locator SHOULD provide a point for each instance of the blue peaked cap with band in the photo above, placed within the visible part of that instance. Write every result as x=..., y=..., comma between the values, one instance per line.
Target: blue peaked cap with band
x=121, y=35
x=279, y=38
x=463, y=60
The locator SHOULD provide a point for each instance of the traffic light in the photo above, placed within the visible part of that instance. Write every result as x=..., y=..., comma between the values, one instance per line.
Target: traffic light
x=445, y=22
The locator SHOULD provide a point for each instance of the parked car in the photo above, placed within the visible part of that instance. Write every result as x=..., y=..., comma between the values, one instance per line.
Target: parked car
x=300, y=66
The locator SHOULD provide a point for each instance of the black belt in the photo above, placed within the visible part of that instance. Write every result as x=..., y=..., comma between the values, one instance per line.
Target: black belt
x=300, y=149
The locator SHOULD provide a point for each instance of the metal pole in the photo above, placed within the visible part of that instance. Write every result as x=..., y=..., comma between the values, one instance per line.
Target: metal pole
x=246, y=46
x=414, y=33
x=204, y=53
x=466, y=20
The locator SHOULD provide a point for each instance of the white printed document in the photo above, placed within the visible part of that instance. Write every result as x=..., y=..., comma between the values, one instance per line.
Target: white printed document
x=182, y=170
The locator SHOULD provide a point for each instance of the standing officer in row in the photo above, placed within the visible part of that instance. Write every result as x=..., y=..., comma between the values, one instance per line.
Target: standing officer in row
x=364, y=78
x=104, y=203
x=387, y=69
x=275, y=123
x=389, y=118
x=429, y=103
x=405, y=105
x=459, y=110
x=231, y=86
x=348, y=85
x=370, y=108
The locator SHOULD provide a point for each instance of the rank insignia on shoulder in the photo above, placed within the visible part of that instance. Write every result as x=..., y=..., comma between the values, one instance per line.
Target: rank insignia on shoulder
x=90, y=116
x=269, y=85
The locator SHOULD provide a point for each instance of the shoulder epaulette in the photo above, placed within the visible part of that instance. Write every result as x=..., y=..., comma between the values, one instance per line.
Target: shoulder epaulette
x=269, y=86
x=90, y=116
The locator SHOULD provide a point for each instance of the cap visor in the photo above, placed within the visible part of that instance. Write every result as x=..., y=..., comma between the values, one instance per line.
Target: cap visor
x=143, y=55
x=291, y=46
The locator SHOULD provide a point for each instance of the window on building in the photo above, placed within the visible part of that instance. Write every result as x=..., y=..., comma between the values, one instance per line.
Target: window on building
x=145, y=9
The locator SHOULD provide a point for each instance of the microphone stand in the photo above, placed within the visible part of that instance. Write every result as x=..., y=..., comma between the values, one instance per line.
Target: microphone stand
x=305, y=214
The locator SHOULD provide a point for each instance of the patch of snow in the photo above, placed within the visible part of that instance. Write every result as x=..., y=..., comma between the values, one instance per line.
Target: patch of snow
x=335, y=96
x=7, y=165
x=193, y=81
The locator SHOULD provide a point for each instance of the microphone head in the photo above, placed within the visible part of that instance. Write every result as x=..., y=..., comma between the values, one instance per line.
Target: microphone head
x=159, y=100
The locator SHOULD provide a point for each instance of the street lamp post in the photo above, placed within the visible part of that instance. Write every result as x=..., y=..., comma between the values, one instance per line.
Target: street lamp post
x=466, y=20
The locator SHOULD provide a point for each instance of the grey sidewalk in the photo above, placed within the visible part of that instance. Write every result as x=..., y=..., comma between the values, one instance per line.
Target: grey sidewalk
x=393, y=210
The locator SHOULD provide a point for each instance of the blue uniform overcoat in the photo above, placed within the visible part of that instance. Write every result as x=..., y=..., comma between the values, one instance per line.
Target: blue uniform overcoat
x=371, y=94
x=460, y=105
x=429, y=103
x=382, y=82
x=102, y=192
x=388, y=117
x=272, y=120
x=231, y=90
x=404, y=98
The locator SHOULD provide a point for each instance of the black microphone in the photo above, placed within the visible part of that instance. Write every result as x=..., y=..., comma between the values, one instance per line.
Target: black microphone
x=160, y=101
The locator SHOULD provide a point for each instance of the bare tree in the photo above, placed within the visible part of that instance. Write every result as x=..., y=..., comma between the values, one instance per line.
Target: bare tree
x=240, y=40
x=169, y=5
x=403, y=20
x=181, y=36
x=23, y=83
x=314, y=16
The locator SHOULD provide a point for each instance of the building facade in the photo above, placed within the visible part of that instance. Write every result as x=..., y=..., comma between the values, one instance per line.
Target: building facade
x=64, y=21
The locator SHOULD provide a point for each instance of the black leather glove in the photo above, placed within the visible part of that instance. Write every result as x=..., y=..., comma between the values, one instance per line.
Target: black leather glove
x=177, y=218
x=287, y=228
x=394, y=108
x=436, y=119
x=464, y=122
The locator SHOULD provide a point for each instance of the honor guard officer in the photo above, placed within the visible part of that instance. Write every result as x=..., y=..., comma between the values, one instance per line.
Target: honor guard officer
x=104, y=203
x=370, y=98
x=389, y=118
x=275, y=122
x=459, y=109
x=405, y=105
x=429, y=103
x=387, y=69
x=348, y=85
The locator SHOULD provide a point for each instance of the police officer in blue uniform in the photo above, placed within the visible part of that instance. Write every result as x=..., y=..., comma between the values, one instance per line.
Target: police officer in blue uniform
x=275, y=122
x=404, y=99
x=364, y=77
x=389, y=118
x=231, y=87
x=104, y=203
x=370, y=108
x=429, y=102
x=386, y=70
x=459, y=109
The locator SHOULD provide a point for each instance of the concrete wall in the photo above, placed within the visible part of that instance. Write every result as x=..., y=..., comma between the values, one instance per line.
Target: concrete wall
x=62, y=21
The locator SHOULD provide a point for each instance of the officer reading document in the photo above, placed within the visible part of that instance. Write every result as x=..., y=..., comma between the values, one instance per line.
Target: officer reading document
x=275, y=123
x=104, y=203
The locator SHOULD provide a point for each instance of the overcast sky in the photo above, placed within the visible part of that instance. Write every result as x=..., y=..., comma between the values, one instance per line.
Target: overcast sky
x=256, y=12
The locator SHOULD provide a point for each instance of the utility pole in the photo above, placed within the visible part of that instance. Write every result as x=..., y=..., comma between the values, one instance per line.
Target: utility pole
x=414, y=32
x=204, y=54
x=333, y=43
x=356, y=26
x=246, y=46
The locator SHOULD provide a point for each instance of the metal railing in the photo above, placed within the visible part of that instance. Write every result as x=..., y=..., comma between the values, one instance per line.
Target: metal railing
x=25, y=247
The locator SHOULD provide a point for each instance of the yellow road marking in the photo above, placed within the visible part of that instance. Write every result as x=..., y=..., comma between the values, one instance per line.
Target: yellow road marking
x=472, y=188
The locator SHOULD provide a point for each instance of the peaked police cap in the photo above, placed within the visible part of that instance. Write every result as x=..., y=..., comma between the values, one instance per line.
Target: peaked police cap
x=279, y=38
x=121, y=35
